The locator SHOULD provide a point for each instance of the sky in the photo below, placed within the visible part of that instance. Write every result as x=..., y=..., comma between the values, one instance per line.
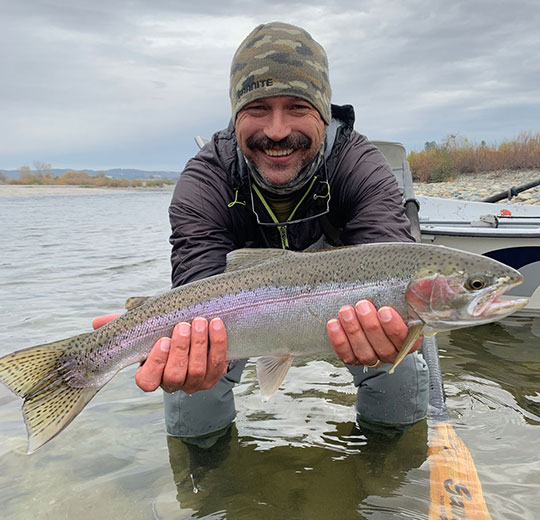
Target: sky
x=102, y=84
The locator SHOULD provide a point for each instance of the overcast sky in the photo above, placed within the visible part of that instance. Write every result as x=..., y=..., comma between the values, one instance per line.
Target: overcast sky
x=102, y=84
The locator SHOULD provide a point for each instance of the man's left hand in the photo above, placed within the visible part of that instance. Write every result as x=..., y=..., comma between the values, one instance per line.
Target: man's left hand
x=364, y=336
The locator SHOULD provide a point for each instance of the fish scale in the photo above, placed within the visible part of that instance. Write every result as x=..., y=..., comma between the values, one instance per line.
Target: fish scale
x=274, y=304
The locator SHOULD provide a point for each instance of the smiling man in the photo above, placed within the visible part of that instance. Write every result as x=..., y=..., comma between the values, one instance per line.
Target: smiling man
x=280, y=136
x=288, y=172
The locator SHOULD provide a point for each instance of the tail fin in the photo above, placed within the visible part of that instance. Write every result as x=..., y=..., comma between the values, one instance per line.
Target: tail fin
x=38, y=375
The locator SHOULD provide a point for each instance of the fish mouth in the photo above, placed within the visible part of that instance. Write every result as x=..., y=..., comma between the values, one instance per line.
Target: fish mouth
x=492, y=305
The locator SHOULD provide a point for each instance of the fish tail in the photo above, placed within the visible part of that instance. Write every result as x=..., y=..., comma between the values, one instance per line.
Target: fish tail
x=38, y=375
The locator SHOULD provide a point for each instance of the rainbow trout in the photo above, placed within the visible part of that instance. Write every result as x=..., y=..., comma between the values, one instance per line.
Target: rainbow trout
x=274, y=304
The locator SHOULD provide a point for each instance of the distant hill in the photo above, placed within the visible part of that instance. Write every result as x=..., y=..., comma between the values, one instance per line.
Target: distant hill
x=114, y=173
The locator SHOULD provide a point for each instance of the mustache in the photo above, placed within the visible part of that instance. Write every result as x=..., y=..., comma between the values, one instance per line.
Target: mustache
x=295, y=141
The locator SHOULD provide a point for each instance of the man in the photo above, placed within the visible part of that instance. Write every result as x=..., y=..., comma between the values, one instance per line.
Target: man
x=289, y=172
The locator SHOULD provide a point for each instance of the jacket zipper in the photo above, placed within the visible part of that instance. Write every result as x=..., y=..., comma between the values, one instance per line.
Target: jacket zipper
x=283, y=235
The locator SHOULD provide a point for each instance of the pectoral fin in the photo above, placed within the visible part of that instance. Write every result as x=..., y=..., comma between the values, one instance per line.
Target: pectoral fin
x=271, y=372
x=413, y=334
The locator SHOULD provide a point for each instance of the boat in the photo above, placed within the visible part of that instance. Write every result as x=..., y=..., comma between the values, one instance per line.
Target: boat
x=505, y=231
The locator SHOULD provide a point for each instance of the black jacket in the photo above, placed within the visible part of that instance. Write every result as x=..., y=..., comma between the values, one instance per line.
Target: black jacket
x=212, y=212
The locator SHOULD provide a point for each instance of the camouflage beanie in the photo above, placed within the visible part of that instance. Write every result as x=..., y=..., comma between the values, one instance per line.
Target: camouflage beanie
x=278, y=59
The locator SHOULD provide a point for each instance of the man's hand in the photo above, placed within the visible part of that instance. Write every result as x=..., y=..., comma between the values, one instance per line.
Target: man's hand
x=192, y=359
x=364, y=336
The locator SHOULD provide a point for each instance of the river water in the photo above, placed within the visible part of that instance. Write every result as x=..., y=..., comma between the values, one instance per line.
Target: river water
x=70, y=256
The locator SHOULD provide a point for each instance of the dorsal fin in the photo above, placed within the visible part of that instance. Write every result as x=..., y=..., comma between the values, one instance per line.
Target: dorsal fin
x=250, y=257
x=135, y=301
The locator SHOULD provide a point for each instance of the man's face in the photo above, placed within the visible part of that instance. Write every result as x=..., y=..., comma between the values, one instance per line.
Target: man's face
x=280, y=135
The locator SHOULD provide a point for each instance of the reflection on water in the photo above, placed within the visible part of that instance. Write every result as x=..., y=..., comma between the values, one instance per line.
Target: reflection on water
x=66, y=259
x=243, y=481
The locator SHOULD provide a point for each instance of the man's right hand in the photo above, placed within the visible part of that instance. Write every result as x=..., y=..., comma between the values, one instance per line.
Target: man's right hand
x=193, y=359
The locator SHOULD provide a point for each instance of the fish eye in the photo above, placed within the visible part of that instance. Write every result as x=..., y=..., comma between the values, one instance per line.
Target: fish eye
x=476, y=282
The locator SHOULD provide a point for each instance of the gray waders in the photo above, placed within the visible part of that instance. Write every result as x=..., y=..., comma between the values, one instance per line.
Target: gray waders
x=386, y=403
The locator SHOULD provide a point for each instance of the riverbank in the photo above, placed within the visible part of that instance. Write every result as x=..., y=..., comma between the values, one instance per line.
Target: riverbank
x=466, y=187
x=481, y=185
x=14, y=190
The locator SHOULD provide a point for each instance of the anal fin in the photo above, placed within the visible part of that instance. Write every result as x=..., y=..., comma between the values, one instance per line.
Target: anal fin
x=271, y=372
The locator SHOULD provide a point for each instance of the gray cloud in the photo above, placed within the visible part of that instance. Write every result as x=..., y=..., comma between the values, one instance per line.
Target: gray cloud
x=101, y=84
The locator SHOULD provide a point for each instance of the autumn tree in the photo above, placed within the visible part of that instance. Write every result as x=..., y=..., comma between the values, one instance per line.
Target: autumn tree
x=42, y=168
x=74, y=177
x=25, y=174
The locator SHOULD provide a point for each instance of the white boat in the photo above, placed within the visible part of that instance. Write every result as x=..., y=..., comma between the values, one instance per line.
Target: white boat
x=508, y=232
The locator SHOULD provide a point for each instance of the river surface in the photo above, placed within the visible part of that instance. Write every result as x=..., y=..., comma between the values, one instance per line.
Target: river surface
x=66, y=258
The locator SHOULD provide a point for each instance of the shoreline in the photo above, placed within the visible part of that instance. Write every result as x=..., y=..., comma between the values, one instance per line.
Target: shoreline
x=15, y=190
x=475, y=186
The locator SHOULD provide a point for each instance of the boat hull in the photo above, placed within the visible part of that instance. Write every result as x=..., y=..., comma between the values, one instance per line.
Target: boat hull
x=509, y=233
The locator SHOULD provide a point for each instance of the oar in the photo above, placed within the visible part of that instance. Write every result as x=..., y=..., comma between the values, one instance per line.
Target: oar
x=455, y=489
x=512, y=192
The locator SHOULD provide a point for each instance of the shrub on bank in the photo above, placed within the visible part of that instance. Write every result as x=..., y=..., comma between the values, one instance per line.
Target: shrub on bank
x=457, y=155
x=76, y=178
x=432, y=165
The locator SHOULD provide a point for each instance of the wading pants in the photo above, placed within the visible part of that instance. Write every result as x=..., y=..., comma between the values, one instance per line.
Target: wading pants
x=384, y=401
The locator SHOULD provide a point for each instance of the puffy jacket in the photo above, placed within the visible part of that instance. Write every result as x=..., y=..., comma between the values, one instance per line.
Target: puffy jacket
x=214, y=211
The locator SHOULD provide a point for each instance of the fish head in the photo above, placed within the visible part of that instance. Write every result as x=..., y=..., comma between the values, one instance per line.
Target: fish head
x=461, y=290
